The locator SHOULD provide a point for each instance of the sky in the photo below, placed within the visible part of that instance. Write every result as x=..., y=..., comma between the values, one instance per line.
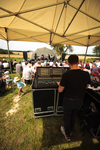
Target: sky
x=32, y=46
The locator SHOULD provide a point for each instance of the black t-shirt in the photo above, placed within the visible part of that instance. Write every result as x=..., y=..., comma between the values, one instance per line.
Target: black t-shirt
x=75, y=82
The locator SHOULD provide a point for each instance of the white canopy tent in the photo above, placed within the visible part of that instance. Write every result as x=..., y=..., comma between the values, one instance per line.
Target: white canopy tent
x=71, y=22
x=44, y=51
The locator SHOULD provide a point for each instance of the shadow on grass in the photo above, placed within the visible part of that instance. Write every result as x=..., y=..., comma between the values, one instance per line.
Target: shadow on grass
x=12, y=90
x=8, y=91
x=53, y=138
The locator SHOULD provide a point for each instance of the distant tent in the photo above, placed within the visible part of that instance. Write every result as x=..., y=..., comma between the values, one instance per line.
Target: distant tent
x=44, y=51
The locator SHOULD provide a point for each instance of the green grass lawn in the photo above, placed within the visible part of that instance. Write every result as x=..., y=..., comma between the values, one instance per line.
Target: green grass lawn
x=21, y=59
x=20, y=131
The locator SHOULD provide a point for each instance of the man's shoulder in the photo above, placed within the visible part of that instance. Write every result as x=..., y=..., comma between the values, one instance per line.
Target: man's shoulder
x=85, y=72
x=66, y=73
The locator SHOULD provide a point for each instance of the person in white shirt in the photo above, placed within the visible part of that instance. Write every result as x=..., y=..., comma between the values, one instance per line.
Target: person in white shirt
x=6, y=65
x=87, y=69
x=27, y=74
x=98, y=63
x=51, y=63
x=90, y=64
x=23, y=62
x=66, y=64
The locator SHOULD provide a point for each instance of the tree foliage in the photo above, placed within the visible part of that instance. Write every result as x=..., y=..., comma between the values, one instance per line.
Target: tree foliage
x=96, y=50
x=5, y=51
x=61, y=48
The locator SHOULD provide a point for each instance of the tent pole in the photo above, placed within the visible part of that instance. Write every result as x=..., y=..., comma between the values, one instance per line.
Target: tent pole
x=9, y=56
x=86, y=49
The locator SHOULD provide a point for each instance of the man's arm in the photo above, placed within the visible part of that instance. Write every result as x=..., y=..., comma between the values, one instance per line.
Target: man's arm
x=87, y=86
x=60, y=88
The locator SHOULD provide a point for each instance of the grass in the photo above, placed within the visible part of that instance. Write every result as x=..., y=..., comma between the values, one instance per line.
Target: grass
x=81, y=58
x=20, y=131
x=7, y=59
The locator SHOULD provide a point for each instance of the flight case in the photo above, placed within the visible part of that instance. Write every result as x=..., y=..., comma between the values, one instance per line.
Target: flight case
x=43, y=102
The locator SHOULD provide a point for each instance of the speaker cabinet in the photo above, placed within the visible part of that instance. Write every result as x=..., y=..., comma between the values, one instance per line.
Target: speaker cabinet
x=43, y=102
x=63, y=56
x=25, y=55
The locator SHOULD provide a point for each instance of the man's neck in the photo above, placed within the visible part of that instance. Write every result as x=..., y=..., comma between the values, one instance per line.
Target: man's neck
x=74, y=66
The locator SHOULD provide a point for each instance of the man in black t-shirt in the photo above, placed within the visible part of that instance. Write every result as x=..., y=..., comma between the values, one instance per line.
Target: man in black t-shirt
x=74, y=83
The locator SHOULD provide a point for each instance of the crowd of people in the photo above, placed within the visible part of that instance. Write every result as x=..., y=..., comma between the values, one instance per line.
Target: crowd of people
x=27, y=69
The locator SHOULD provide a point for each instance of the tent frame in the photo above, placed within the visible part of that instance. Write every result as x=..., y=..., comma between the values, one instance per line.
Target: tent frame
x=51, y=32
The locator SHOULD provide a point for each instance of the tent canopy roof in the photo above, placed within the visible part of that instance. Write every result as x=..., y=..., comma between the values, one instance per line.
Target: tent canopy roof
x=71, y=22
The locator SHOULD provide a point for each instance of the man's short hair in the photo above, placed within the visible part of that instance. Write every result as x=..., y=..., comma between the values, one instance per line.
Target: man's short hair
x=73, y=59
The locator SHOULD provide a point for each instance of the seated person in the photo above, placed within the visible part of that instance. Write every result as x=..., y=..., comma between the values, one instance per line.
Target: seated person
x=94, y=67
x=95, y=75
x=99, y=73
x=54, y=64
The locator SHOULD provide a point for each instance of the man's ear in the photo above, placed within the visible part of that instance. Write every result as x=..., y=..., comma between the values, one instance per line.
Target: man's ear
x=68, y=63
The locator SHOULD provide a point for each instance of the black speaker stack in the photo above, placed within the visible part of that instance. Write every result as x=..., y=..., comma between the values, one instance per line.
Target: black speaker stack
x=25, y=55
x=47, y=101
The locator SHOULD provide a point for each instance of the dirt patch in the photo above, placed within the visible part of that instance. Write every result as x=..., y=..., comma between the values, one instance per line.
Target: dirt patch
x=15, y=108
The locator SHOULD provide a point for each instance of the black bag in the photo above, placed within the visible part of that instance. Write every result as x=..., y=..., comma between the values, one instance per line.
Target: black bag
x=2, y=87
x=93, y=120
x=94, y=83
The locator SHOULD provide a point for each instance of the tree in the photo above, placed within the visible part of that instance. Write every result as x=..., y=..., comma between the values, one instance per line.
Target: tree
x=61, y=48
x=5, y=51
x=96, y=50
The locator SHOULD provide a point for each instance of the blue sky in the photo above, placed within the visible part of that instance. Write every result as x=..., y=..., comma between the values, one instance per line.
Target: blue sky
x=25, y=46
